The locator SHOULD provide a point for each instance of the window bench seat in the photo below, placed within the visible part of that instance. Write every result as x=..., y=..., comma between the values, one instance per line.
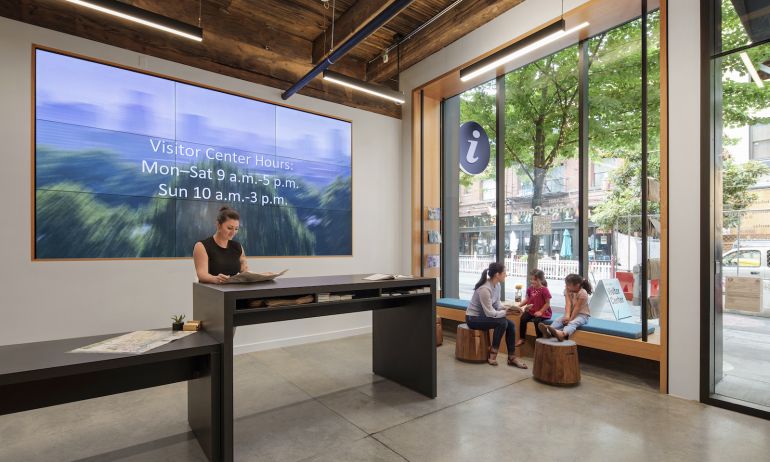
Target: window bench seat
x=602, y=334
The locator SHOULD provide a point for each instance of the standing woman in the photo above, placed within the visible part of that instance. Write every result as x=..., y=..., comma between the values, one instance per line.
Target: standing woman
x=219, y=256
x=486, y=312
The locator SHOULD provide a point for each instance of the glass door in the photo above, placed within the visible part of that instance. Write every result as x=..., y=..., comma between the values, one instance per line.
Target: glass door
x=739, y=315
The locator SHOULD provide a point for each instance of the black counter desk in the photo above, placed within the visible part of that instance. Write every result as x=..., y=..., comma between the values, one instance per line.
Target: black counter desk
x=403, y=326
x=40, y=374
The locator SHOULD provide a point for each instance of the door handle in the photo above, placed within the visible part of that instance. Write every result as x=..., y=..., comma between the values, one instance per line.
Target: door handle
x=754, y=273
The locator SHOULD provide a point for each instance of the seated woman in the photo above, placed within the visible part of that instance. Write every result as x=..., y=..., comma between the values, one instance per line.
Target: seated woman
x=486, y=312
x=219, y=256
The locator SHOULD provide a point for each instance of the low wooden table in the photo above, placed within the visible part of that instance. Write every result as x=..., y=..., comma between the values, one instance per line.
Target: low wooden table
x=41, y=374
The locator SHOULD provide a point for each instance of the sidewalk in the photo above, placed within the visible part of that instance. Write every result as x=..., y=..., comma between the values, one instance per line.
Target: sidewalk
x=746, y=358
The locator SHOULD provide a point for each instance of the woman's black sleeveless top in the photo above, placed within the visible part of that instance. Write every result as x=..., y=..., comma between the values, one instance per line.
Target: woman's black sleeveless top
x=223, y=261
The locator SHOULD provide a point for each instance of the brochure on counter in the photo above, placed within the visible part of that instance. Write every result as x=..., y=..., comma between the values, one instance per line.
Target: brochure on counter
x=385, y=277
x=134, y=342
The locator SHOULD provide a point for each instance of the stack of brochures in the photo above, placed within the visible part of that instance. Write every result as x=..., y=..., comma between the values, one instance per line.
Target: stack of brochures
x=329, y=297
x=414, y=290
x=394, y=292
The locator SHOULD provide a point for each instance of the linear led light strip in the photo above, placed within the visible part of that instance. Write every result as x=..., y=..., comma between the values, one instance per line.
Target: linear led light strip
x=510, y=56
x=351, y=83
x=752, y=70
x=104, y=7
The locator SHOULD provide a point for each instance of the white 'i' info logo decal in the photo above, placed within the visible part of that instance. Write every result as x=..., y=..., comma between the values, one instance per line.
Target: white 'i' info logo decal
x=474, y=148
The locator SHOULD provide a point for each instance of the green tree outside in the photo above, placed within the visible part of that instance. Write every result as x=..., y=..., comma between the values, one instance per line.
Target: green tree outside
x=541, y=116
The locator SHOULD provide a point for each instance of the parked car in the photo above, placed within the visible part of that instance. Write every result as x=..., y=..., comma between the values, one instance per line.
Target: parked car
x=749, y=260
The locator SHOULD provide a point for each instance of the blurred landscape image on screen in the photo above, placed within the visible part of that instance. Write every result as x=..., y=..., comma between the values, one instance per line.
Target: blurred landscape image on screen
x=132, y=165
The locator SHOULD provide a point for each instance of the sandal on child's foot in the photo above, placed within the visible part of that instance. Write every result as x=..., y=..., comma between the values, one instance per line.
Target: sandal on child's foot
x=516, y=362
x=555, y=333
x=544, y=330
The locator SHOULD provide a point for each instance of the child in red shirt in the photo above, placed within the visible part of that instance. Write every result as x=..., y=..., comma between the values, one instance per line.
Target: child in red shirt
x=536, y=305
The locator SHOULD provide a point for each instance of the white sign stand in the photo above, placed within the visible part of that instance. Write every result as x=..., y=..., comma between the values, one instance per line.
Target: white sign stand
x=609, y=293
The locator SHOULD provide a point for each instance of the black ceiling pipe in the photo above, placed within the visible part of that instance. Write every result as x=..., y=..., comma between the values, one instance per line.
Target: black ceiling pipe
x=386, y=15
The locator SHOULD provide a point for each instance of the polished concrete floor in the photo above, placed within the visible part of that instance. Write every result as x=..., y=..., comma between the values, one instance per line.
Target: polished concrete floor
x=320, y=402
x=746, y=359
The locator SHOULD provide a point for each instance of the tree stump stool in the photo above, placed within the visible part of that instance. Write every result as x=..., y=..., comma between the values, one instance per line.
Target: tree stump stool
x=472, y=345
x=556, y=363
x=439, y=332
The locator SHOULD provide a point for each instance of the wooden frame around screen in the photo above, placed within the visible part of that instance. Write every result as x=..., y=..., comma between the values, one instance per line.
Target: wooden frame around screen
x=33, y=146
x=604, y=15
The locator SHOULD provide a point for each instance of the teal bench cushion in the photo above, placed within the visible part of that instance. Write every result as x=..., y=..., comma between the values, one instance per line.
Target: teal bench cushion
x=455, y=303
x=610, y=327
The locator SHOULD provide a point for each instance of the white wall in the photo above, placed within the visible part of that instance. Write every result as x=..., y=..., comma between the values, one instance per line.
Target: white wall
x=684, y=198
x=50, y=300
x=684, y=43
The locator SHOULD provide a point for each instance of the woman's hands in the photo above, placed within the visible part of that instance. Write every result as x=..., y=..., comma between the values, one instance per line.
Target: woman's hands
x=221, y=278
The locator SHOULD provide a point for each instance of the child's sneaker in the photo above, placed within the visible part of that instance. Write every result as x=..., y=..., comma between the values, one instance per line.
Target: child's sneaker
x=544, y=330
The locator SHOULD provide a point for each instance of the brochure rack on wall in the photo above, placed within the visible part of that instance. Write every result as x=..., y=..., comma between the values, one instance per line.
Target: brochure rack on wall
x=431, y=242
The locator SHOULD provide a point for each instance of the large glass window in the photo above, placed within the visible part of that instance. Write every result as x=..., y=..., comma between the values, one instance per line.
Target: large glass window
x=541, y=150
x=477, y=212
x=581, y=191
x=740, y=313
x=615, y=159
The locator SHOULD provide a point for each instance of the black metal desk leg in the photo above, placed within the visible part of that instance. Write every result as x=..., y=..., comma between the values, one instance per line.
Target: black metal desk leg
x=204, y=408
x=404, y=344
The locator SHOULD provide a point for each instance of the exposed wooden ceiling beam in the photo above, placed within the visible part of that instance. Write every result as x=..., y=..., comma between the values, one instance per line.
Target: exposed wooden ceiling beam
x=348, y=24
x=222, y=50
x=241, y=24
x=464, y=18
x=235, y=25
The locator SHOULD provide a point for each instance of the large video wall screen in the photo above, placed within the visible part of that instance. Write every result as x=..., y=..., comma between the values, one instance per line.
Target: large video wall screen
x=130, y=165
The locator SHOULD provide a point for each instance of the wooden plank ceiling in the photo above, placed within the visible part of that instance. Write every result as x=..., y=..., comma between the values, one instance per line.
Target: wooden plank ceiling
x=276, y=42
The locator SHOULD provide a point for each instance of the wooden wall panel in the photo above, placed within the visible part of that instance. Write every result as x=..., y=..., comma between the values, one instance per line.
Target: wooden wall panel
x=431, y=178
x=664, y=196
x=416, y=182
x=426, y=180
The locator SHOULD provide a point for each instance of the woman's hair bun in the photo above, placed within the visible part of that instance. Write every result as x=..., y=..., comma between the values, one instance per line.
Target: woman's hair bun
x=227, y=213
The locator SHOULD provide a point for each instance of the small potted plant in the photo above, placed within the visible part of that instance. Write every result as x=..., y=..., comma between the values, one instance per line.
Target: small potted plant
x=517, y=296
x=178, y=322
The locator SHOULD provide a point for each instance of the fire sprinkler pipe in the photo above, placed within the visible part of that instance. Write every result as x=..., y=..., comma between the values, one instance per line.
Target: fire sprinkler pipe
x=386, y=15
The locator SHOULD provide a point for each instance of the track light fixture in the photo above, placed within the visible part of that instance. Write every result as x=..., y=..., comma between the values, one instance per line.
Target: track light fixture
x=366, y=87
x=544, y=36
x=147, y=18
